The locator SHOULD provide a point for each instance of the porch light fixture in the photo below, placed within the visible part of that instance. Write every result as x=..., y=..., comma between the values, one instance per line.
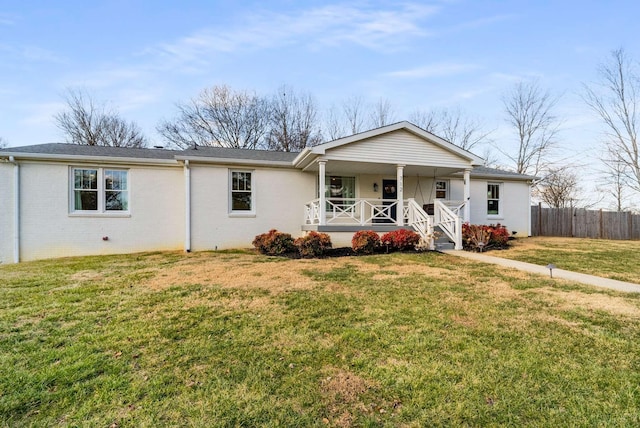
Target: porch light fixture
x=375, y=187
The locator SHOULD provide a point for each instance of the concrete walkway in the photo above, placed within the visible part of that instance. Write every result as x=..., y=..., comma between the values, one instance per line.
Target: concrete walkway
x=542, y=270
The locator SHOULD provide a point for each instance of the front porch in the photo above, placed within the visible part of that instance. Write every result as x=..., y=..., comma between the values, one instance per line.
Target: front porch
x=354, y=214
x=363, y=182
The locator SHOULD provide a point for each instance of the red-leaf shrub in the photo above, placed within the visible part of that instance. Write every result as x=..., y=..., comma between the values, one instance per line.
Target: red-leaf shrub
x=365, y=242
x=313, y=244
x=401, y=239
x=274, y=243
x=480, y=237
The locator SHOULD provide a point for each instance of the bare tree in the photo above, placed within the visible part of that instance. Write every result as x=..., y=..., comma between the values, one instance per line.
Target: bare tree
x=452, y=125
x=346, y=119
x=85, y=122
x=221, y=117
x=334, y=126
x=616, y=101
x=426, y=120
x=353, y=108
x=559, y=188
x=382, y=113
x=614, y=183
x=294, y=123
x=530, y=111
x=3, y=143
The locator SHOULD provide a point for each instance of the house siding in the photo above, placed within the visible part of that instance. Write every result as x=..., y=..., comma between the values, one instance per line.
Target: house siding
x=6, y=212
x=48, y=230
x=398, y=147
x=515, y=205
x=280, y=195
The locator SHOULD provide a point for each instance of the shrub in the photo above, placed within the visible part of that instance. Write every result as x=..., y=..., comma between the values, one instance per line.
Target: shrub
x=480, y=237
x=313, y=244
x=499, y=235
x=274, y=243
x=365, y=242
x=401, y=239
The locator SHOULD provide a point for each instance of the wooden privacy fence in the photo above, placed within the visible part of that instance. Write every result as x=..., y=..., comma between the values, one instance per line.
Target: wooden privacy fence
x=583, y=223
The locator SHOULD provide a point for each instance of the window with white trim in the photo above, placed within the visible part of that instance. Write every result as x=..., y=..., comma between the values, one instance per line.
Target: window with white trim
x=442, y=189
x=493, y=199
x=99, y=190
x=241, y=197
x=340, y=187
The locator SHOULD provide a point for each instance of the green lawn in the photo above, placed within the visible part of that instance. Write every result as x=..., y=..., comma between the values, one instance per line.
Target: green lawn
x=610, y=259
x=236, y=339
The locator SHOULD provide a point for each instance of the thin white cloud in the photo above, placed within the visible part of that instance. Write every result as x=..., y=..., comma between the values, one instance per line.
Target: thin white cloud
x=6, y=19
x=29, y=53
x=34, y=53
x=482, y=22
x=332, y=25
x=106, y=76
x=473, y=93
x=42, y=114
x=434, y=70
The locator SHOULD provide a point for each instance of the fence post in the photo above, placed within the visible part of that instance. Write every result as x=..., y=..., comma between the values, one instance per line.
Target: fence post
x=572, y=220
x=601, y=234
x=540, y=219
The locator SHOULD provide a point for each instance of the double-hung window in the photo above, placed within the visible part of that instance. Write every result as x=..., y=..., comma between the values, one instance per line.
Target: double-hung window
x=442, y=189
x=241, y=196
x=494, y=207
x=337, y=189
x=99, y=190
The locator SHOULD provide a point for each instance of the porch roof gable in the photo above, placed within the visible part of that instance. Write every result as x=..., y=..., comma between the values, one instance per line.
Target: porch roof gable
x=406, y=143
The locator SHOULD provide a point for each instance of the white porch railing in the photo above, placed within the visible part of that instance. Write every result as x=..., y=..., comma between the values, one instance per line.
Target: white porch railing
x=351, y=211
x=447, y=216
x=418, y=219
x=366, y=212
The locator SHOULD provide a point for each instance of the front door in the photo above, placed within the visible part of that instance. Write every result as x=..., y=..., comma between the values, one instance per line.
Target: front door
x=389, y=196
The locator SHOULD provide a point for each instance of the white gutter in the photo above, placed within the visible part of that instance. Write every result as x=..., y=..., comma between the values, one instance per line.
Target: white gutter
x=232, y=161
x=187, y=203
x=16, y=209
x=101, y=159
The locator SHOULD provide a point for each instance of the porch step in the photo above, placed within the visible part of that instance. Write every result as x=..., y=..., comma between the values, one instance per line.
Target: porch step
x=443, y=242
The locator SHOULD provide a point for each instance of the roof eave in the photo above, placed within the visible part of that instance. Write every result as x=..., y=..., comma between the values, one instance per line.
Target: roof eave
x=302, y=160
x=83, y=158
x=235, y=161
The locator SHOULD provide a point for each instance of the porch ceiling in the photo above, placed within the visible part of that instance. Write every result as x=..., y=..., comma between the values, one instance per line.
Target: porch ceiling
x=345, y=168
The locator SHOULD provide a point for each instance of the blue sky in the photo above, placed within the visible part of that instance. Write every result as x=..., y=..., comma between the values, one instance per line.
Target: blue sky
x=141, y=57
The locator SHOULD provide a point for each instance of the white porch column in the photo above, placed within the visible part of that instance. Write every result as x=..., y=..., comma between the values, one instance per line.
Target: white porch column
x=467, y=196
x=321, y=187
x=400, y=205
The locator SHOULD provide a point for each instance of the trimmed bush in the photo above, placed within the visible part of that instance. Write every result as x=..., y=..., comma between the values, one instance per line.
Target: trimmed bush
x=480, y=237
x=365, y=242
x=274, y=243
x=313, y=244
x=401, y=239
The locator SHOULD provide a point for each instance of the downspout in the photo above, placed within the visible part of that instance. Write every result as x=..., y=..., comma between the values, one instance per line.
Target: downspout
x=16, y=209
x=187, y=203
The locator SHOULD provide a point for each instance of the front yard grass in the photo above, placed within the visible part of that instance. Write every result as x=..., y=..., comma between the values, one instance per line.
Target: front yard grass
x=606, y=258
x=237, y=339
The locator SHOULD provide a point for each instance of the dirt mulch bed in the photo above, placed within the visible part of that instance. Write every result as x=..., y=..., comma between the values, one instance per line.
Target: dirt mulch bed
x=348, y=252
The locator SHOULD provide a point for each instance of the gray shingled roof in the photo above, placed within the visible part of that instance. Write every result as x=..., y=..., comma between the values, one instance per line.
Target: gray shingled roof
x=82, y=150
x=61, y=149
x=243, y=154
x=125, y=152
x=483, y=171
